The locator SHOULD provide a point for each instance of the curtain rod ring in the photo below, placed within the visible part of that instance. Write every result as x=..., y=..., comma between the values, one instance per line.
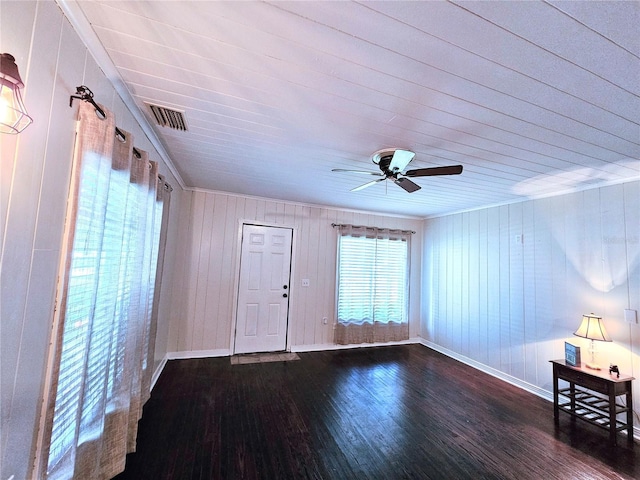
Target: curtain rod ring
x=120, y=135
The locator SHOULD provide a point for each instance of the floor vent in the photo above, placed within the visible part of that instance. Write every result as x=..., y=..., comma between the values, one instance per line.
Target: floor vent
x=168, y=117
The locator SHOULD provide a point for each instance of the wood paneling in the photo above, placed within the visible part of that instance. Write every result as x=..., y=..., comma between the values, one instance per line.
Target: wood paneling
x=36, y=168
x=532, y=99
x=29, y=270
x=506, y=306
x=520, y=277
x=204, y=321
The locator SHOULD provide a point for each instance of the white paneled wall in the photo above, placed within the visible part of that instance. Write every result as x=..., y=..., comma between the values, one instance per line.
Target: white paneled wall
x=481, y=294
x=34, y=173
x=505, y=287
x=203, y=314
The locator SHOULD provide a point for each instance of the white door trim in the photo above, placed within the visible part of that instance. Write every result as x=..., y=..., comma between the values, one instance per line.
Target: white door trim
x=236, y=281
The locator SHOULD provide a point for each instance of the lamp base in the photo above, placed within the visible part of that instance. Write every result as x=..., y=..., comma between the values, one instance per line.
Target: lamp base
x=593, y=366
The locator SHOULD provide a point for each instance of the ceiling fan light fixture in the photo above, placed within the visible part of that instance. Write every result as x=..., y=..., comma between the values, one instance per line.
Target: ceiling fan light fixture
x=392, y=163
x=387, y=152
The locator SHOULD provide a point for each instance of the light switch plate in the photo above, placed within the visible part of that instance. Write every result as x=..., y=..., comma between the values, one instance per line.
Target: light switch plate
x=631, y=316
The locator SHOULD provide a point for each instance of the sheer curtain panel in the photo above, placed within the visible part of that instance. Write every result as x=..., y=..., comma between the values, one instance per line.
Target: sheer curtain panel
x=373, y=273
x=103, y=329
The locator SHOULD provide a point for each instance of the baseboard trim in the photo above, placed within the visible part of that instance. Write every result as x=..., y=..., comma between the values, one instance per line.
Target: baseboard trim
x=185, y=356
x=222, y=352
x=157, y=372
x=540, y=392
x=332, y=346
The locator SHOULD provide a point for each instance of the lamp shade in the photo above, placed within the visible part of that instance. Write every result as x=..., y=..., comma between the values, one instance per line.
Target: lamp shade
x=13, y=114
x=592, y=328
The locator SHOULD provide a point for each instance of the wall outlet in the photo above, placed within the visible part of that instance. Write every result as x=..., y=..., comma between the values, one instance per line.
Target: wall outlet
x=325, y=320
x=631, y=316
x=305, y=282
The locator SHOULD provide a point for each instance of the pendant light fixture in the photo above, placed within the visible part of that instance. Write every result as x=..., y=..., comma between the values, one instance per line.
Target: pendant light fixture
x=13, y=114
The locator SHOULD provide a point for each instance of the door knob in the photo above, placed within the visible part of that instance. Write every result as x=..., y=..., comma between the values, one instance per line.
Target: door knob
x=284, y=295
x=285, y=287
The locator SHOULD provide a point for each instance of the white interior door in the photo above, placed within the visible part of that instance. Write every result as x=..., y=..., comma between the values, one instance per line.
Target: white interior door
x=263, y=291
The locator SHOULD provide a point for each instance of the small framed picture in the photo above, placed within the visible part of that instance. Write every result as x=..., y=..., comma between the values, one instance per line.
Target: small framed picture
x=571, y=354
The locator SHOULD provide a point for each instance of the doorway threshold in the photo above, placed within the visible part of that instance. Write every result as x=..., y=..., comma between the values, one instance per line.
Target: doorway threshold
x=249, y=358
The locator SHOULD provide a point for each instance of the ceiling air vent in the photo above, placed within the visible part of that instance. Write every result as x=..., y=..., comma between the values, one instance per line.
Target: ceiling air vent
x=168, y=117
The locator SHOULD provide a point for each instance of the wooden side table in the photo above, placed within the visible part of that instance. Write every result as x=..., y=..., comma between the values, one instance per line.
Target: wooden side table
x=592, y=396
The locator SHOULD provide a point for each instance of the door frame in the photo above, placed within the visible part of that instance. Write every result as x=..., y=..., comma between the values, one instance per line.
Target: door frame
x=236, y=280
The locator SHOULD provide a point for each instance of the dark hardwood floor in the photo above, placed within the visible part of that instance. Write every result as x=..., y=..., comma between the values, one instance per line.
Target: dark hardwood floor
x=399, y=412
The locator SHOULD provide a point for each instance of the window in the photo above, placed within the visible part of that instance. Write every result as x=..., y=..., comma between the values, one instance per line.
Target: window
x=373, y=268
x=100, y=373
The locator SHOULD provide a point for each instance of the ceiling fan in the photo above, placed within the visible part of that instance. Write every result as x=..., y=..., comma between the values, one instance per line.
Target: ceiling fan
x=392, y=162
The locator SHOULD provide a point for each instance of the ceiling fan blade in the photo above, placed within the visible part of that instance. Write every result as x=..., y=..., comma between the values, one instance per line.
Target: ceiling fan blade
x=400, y=160
x=368, y=184
x=428, y=172
x=407, y=184
x=377, y=174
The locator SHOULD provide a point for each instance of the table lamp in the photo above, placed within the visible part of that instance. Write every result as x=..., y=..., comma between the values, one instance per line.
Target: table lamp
x=593, y=329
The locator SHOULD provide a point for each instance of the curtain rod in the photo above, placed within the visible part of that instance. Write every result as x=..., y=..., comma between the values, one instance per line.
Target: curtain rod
x=334, y=225
x=84, y=93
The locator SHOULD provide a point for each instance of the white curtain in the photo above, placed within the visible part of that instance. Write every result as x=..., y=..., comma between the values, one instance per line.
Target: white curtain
x=104, y=340
x=373, y=273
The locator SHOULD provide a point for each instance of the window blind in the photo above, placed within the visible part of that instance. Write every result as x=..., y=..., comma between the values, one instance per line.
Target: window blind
x=372, y=279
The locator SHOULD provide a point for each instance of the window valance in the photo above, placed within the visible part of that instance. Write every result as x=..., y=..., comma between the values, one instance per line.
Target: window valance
x=372, y=232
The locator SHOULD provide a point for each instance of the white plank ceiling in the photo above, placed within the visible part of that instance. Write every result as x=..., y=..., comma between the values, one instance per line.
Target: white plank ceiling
x=532, y=98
